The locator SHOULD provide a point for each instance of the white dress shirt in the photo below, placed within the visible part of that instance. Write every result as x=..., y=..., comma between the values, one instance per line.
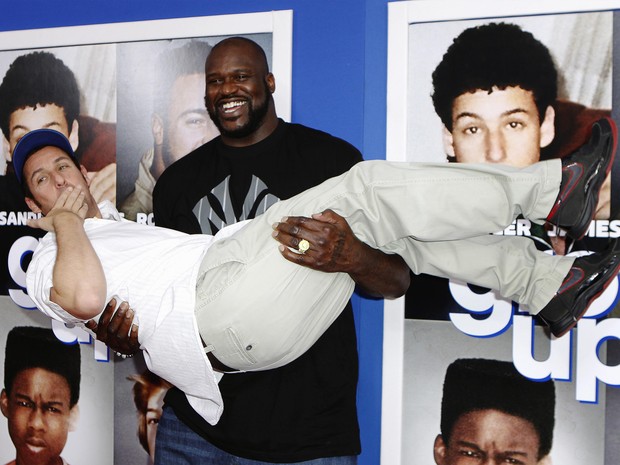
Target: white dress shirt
x=154, y=270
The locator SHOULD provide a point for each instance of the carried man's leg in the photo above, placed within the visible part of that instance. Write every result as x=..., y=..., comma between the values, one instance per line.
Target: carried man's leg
x=385, y=203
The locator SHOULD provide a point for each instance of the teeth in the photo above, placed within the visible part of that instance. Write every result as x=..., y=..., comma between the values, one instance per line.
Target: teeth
x=232, y=105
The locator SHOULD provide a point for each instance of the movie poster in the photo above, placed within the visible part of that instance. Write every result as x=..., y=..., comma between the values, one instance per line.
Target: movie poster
x=88, y=437
x=88, y=88
x=578, y=433
x=442, y=322
x=128, y=97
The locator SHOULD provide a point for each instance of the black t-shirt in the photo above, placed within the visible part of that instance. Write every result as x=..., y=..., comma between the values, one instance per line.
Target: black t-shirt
x=307, y=409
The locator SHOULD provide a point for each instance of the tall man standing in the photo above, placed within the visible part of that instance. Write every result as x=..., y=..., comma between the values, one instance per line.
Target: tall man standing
x=305, y=411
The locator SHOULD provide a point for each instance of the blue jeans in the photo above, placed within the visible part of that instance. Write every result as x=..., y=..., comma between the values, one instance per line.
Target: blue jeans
x=177, y=444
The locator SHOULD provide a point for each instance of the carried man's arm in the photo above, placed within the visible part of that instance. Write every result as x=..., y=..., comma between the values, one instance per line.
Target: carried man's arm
x=79, y=283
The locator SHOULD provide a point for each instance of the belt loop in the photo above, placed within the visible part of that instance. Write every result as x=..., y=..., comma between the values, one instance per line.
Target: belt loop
x=207, y=347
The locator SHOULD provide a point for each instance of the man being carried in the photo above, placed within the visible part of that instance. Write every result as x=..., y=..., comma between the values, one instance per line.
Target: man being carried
x=93, y=255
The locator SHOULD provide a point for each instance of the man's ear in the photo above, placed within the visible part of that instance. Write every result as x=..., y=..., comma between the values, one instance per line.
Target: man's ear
x=6, y=149
x=74, y=137
x=448, y=142
x=546, y=460
x=4, y=403
x=547, y=128
x=84, y=172
x=34, y=206
x=157, y=126
x=74, y=417
x=439, y=450
x=271, y=82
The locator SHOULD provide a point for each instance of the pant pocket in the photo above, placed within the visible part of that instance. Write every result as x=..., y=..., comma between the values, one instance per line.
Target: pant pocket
x=242, y=351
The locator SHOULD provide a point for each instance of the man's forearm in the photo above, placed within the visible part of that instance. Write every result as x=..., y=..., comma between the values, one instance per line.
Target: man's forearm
x=79, y=284
x=335, y=249
x=381, y=275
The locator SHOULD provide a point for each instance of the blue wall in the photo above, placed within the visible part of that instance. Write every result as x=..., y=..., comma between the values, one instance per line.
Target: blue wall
x=339, y=76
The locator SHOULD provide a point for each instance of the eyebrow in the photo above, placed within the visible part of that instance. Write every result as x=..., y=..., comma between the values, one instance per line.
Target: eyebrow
x=27, y=398
x=45, y=126
x=469, y=114
x=472, y=445
x=58, y=159
x=202, y=111
x=246, y=70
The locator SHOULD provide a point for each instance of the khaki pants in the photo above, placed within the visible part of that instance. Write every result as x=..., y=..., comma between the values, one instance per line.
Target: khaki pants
x=256, y=311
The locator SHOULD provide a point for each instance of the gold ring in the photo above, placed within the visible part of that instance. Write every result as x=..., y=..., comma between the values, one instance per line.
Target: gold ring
x=303, y=246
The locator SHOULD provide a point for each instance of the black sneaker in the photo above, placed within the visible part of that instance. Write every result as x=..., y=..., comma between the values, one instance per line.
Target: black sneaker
x=587, y=279
x=583, y=174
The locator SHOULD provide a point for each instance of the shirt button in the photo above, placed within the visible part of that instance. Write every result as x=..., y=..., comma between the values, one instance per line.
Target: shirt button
x=248, y=347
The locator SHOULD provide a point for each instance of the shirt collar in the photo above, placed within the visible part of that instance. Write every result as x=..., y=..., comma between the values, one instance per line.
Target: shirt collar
x=109, y=211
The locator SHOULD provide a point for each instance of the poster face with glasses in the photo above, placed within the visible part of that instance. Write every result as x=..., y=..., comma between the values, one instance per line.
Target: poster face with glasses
x=502, y=85
x=123, y=94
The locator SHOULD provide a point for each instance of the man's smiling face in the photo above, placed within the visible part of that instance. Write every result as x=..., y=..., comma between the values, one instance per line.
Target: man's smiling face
x=238, y=88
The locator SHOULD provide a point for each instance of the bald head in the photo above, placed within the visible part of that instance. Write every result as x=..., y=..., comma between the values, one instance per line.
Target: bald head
x=241, y=46
x=238, y=93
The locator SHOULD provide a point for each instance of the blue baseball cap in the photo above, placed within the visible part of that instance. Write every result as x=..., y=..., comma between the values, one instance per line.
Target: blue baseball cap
x=34, y=141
